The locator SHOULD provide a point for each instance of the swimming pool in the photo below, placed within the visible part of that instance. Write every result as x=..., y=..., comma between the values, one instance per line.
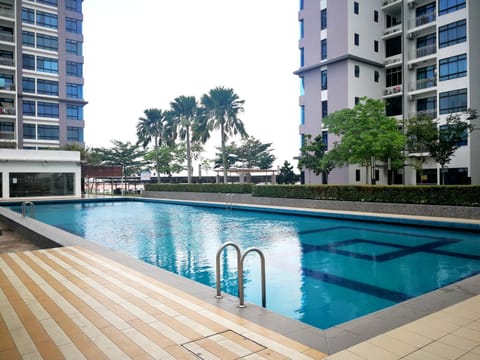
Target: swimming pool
x=320, y=270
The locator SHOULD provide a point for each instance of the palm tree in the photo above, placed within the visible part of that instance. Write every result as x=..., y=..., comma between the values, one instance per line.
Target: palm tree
x=223, y=106
x=185, y=110
x=156, y=126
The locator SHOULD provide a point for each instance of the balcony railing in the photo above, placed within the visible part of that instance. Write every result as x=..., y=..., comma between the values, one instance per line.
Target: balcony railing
x=425, y=19
x=6, y=37
x=392, y=29
x=7, y=135
x=8, y=110
x=392, y=90
x=7, y=13
x=426, y=83
x=432, y=113
x=393, y=60
x=388, y=2
x=426, y=50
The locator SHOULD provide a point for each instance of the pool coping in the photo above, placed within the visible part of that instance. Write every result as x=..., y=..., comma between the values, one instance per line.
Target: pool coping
x=328, y=341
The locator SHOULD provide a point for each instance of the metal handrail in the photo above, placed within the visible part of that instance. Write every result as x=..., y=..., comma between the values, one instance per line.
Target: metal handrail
x=240, y=263
x=229, y=201
x=31, y=206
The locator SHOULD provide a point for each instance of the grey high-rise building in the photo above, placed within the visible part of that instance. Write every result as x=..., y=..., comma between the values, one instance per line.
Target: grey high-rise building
x=419, y=56
x=41, y=73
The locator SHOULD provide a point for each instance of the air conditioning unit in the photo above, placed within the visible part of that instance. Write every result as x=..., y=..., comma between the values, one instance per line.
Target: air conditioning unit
x=410, y=66
x=410, y=97
x=411, y=36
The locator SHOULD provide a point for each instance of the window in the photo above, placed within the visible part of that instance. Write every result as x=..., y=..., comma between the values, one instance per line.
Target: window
x=28, y=16
x=426, y=77
x=393, y=106
x=29, y=131
x=301, y=5
x=28, y=108
x=48, y=2
x=444, y=134
x=448, y=6
x=47, y=65
x=324, y=79
x=451, y=34
x=302, y=86
x=73, y=25
x=427, y=106
x=48, y=132
x=302, y=57
x=425, y=14
x=28, y=85
x=356, y=39
x=324, y=108
x=74, y=69
x=6, y=82
x=42, y=184
x=47, y=42
x=74, y=134
x=301, y=29
x=376, y=76
x=74, y=5
x=47, y=87
x=375, y=45
x=302, y=115
x=28, y=62
x=74, y=112
x=73, y=47
x=453, y=101
x=323, y=19
x=393, y=76
x=356, y=7
x=28, y=38
x=393, y=46
x=357, y=71
x=47, y=19
x=357, y=174
x=47, y=110
x=426, y=45
x=453, y=67
x=375, y=16
x=324, y=49
x=325, y=137
x=357, y=100
x=74, y=91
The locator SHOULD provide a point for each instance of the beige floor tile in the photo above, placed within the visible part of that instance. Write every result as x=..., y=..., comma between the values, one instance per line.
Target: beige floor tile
x=372, y=352
x=474, y=325
x=469, y=356
x=468, y=333
x=476, y=350
x=421, y=355
x=409, y=337
x=393, y=345
x=444, y=351
x=345, y=355
x=459, y=342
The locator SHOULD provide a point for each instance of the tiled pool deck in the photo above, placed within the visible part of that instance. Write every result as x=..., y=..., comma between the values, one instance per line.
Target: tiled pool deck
x=85, y=301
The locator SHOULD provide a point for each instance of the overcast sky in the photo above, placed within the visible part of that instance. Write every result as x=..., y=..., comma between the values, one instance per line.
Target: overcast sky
x=143, y=54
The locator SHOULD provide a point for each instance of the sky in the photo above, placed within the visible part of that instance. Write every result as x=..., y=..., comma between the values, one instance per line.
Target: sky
x=143, y=54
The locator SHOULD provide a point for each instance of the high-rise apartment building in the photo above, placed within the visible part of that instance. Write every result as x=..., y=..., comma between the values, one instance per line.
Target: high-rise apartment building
x=41, y=73
x=419, y=56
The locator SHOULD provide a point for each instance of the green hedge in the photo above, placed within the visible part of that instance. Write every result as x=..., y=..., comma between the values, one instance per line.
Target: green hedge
x=211, y=188
x=439, y=195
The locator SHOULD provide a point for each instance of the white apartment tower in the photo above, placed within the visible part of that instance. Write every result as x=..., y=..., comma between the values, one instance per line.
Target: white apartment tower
x=41, y=73
x=420, y=56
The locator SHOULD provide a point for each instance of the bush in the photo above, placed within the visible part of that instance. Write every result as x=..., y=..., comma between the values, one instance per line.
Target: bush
x=210, y=188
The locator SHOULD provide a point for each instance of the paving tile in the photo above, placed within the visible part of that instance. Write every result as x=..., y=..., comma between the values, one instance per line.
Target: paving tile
x=421, y=355
x=459, y=342
x=469, y=356
x=372, y=352
x=444, y=351
x=409, y=337
x=345, y=355
x=393, y=345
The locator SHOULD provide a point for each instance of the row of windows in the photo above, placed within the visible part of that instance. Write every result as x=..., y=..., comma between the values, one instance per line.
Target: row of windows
x=46, y=2
x=73, y=47
x=73, y=25
x=448, y=6
x=44, y=87
x=50, y=132
x=41, y=18
x=51, y=110
x=50, y=65
x=43, y=41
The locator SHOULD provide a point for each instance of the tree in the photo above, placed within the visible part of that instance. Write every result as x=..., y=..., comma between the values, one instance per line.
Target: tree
x=287, y=176
x=451, y=136
x=222, y=107
x=367, y=134
x=170, y=159
x=87, y=154
x=186, y=110
x=251, y=153
x=156, y=126
x=312, y=156
x=125, y=154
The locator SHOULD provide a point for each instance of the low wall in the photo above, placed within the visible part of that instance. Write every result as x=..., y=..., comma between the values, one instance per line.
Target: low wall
x=461, y=212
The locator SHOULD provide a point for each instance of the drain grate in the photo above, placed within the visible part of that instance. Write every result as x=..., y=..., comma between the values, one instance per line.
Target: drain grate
x=223, y=345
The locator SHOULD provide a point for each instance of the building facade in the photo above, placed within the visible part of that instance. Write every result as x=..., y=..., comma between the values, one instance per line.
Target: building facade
x=419, y=56
x=41, y=74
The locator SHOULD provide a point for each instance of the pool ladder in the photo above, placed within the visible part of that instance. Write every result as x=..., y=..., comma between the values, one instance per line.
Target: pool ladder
x=229, y=202
x=30, y=205
x=240, y=262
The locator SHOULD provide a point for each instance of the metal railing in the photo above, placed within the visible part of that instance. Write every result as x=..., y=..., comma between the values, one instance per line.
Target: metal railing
x=425, y=19
x=426, y=83
x=7, y=61
x=426, y=50
x=30, y=205
x=240, y=263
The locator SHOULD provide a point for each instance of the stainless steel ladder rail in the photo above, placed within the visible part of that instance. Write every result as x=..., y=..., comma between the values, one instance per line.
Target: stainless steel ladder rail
x=229, y=201
x=31, y=206
x=240, y=265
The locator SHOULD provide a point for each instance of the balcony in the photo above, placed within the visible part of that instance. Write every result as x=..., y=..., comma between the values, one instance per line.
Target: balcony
x=426, y=83
x=6, y=61
x=393, y=60
x=426, y=50
x=8, y=110
x=425, y=19
x=392, y=90
x=431, y=113
x=392, y=30
x=7, y=135
x=6, y=12
x=6, y=37
x=390, y=2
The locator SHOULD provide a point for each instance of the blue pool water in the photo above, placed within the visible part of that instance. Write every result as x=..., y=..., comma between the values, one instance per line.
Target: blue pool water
x=322, y=271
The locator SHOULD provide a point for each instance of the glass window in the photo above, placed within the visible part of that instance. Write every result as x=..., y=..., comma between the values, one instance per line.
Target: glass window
x=28, y=16
x=393, y=106
x=451, y=34
x=301, y=5
x=357, y=100
x=324, y=49
x=74, y=91
x=73, y=47
x=48, y=132
x=47, y=110
x=375, y=45
x=324, y=108
x=375, y=16
x=48, y=2
x=302, y=115
x=426, y=45
x=453, y=101
x=463, y=141
x=28, y=62
x=357, y=71
x=448, y=6
x=47, y=42
x=28, y=108
x=301, y=29
x=74, y=112
x=453, y=67
x=74, y=134
x=74, y=69
x=393, y=46
x=302, y=86
x=41, y=184
x=426, y=77
x=325, y=137
x=47, y=65
x=47, y=19
x=356, y=39
x=376, y=76
x=47, y=87
x=356, y=7
x=28, y=85
x=324, y=80
x=28, y=38
x=29, y=131
x=425, y=14
x=6, y=82
x=74, y=5
x=302, y=56
x=73, y=25
x=323, y=19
